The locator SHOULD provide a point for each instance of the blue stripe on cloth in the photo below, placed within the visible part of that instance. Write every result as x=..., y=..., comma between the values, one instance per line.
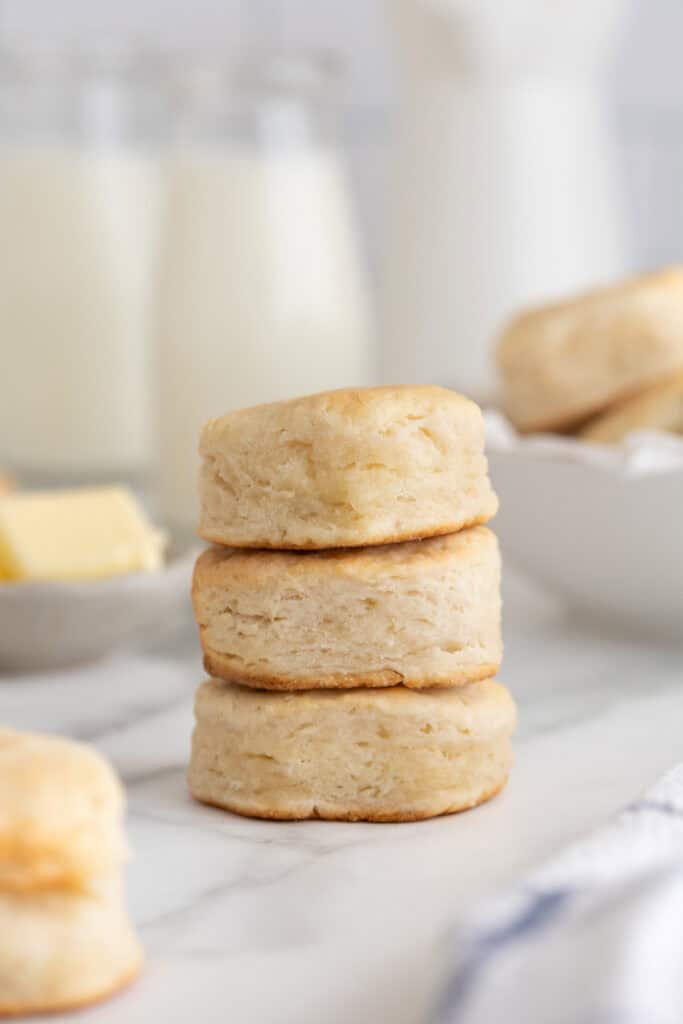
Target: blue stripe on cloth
x=541, y=908
x=660, y=806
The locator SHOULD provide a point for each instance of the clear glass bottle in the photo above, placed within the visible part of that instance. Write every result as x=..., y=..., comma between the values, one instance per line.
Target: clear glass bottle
x=79, y=207
x=263, y=293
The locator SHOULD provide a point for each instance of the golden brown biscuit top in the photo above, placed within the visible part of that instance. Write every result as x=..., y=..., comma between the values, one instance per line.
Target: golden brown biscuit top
x=477, y=708
x=348, y=405
x=409, y=559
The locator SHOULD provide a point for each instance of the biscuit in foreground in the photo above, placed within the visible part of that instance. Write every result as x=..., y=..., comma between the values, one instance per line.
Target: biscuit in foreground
x=345, y=469
x=354, y=755
x=563, y=363
x=65, y=938
x=658, y=408
x=60, y=950
x=423, y=613
x=61, y=807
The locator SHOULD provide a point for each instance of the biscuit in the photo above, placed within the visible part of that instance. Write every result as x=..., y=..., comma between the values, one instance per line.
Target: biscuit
x=658, y=408
x=345, y=469
x=372, y=755
x=61, y=950
x=563, y=363
x=65, y=940
x=60, y=813
x=423, y=613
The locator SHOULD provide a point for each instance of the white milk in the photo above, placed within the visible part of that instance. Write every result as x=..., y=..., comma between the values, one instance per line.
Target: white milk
x=262, y=295
x=77, y=248
x=504, y=188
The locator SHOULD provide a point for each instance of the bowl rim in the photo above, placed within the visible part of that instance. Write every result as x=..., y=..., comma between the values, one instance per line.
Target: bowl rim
x=176, y=564
x=641, y=453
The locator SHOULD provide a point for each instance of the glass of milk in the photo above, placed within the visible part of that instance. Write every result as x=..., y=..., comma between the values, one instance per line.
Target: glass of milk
x=263, y=294
x=79, y=209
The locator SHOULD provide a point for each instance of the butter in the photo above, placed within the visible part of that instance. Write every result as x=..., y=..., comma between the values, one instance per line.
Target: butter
x=81, y=534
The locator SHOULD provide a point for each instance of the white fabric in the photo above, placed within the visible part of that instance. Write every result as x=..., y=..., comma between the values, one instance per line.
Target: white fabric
x=642, y=452
x=594, y=937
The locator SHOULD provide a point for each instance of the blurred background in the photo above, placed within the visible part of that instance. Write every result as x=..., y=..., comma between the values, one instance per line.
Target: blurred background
x=643, y=83
x=209, y=205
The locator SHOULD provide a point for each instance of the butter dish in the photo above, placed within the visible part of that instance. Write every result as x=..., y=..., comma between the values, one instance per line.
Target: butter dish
x=54, y=624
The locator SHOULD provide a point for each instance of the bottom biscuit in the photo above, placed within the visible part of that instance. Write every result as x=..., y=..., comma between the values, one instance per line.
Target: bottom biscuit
x=321, y=813
x=64, y=950
x=355, y=755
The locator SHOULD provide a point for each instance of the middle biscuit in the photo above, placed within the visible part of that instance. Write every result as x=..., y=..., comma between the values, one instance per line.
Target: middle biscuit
x=423, y=613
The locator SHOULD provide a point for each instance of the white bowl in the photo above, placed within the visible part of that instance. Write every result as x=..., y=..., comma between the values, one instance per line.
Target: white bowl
x=52, y=625
x=602, y=526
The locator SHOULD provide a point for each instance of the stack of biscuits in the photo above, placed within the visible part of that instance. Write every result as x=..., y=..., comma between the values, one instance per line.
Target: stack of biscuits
x=349, y=612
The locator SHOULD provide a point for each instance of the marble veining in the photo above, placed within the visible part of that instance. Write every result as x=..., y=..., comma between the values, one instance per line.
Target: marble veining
x=298, y=923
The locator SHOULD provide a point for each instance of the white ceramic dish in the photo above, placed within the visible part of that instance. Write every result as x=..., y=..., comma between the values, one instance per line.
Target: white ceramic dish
x=602, y=526
x=52, y=625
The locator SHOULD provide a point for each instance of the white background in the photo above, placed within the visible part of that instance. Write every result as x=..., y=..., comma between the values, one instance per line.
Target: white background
x=645, y=84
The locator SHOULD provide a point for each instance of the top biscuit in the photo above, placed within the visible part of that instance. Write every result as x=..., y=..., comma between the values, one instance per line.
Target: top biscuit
x=60, y=814
x=345, y=469
x=563, y=363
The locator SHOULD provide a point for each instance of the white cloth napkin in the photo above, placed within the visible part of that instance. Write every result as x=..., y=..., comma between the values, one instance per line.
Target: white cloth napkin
x=594, y=937
x=642, y=452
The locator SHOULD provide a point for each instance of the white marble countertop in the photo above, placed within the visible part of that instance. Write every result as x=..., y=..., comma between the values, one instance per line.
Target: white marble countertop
x=264, y=923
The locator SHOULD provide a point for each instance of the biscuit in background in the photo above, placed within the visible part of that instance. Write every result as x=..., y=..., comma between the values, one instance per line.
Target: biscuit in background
x=345, y=468
x=355, y=755
x=65, y=938
x=658, y=408
x=563, y=363
x=422, y=613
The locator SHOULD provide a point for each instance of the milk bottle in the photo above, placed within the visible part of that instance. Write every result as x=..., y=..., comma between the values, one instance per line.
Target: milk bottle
x=79, y=208
x=262, y=291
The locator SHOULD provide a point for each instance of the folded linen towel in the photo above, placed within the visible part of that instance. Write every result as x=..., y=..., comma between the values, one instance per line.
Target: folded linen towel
x=593, y=937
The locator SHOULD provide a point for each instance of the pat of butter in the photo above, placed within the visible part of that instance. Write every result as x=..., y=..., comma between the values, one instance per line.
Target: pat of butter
x=80, y=534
